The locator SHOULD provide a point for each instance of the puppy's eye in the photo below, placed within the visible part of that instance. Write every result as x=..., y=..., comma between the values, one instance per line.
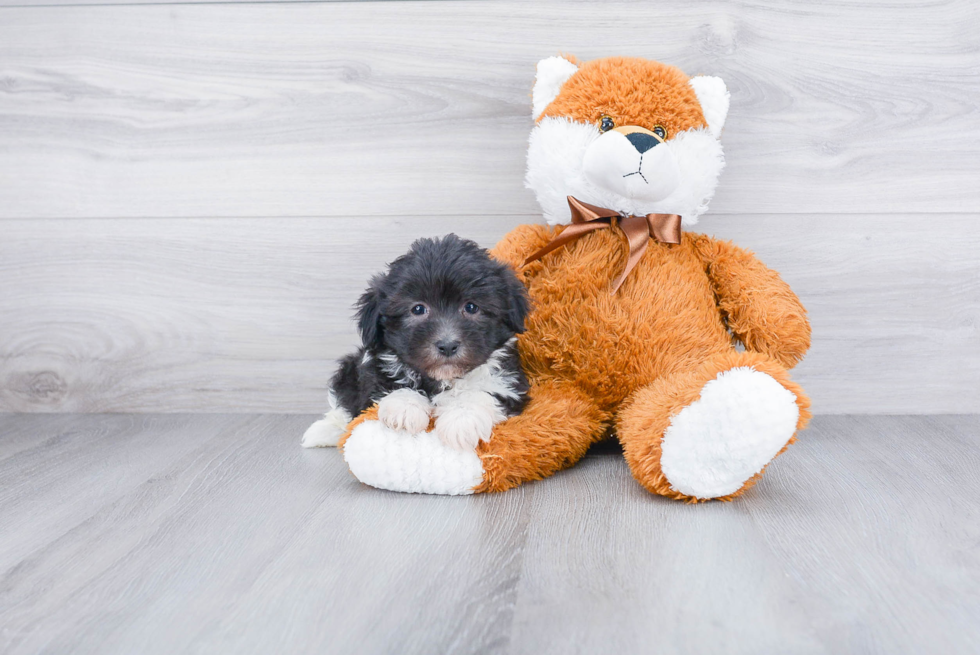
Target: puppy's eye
x=470, y=308
x=606, y=123
x=420, y=309
x=660, y=131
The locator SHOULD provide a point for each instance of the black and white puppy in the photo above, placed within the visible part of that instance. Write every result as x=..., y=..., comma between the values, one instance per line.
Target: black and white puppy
x=438, y=332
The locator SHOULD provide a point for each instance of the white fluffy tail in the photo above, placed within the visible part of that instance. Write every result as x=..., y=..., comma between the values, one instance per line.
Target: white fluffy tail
x=326, y=432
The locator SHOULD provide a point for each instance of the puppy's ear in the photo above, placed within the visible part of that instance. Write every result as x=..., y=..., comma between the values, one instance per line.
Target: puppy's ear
x=370, y=314
x=518, y=304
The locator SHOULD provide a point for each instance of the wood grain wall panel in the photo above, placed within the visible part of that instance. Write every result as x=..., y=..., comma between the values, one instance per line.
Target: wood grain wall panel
x=378, y=108
x=218, y=315
x=188, y=314
x=145, y=149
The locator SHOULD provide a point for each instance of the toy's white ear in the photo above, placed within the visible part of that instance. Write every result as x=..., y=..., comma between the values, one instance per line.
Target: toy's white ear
x=714, y=98
x=552, y=73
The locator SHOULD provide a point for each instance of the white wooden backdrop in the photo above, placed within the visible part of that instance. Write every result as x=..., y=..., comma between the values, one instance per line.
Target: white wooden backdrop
x=193, y=194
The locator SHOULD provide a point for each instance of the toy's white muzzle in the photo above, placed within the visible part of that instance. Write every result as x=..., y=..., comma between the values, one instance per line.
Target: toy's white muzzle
x=632, y=162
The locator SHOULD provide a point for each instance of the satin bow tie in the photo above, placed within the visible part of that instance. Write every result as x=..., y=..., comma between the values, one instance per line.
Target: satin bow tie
x=665, y=228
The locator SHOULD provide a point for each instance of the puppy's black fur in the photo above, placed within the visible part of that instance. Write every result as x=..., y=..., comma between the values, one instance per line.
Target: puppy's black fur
x=440, y=311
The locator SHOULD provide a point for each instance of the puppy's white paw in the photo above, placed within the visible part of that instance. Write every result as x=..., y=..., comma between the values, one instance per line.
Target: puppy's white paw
x=462, y=428
x=404, y=409
x=326, y=432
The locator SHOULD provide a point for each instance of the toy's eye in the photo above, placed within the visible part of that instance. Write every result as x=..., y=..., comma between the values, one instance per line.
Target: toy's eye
x=660, y=131
x=470, y=308
x=420, y=309
x=606, y=123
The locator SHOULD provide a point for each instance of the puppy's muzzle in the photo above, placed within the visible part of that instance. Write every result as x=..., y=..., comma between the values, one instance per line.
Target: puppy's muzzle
x=447, y=347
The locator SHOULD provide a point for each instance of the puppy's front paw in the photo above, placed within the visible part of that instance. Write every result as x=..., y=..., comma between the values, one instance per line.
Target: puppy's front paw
x=463, y=428
x=404, y=409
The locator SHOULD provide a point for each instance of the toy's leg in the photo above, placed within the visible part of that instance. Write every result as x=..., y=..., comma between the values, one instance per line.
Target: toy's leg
x=710, y=432
x=553, y=432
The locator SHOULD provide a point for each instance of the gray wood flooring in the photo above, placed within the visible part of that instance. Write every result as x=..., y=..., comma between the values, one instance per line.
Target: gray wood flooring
x=218, y=534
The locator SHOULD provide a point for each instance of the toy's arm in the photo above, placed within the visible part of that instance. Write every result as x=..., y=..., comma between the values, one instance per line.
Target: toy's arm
x=759, y=308
x=520, y=243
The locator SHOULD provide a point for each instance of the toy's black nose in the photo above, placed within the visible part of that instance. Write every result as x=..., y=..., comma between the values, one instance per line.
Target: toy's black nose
x=447, y=348
x=642, y=142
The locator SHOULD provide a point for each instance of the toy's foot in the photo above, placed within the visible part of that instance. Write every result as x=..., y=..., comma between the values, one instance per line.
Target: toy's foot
x=411, y=463
x=327, y=431
x=710, y=433
x=720, y=441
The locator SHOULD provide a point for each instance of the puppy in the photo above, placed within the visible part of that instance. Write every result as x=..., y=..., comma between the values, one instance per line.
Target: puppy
x=438, y=332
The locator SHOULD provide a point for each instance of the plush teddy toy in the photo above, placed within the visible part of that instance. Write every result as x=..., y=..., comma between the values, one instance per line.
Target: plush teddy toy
x=635, y=321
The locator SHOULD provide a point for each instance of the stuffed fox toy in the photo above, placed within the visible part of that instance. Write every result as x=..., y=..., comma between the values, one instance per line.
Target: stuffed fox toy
x=635, y=320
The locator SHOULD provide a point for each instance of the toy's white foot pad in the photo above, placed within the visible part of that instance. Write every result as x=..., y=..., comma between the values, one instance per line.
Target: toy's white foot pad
x=411, y=463
x=714, y=445
x=326, y=432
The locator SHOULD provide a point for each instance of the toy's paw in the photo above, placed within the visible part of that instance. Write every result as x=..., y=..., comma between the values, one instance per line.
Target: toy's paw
x=393, y=459
x=404, y=409
x=326, y=431
x=739, y=424
x=463, y=428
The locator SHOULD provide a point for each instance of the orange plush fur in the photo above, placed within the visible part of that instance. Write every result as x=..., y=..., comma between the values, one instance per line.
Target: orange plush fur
x=638, y=356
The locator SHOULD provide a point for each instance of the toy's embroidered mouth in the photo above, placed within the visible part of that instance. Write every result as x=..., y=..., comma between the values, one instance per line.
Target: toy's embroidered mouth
x=639, y=171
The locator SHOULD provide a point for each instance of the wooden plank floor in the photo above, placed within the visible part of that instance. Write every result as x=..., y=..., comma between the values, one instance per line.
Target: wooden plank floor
x=217, y=533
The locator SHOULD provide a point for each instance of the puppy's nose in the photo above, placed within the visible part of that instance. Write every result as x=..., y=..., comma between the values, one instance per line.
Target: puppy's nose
x=447, y=348
x=642, y=142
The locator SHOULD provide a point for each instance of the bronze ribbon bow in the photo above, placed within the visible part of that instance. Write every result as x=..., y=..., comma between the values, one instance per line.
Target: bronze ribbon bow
x=665, y=228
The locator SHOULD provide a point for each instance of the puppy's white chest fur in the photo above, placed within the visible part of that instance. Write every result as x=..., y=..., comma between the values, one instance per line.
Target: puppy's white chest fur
x=490, y=377
x=466, y=410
